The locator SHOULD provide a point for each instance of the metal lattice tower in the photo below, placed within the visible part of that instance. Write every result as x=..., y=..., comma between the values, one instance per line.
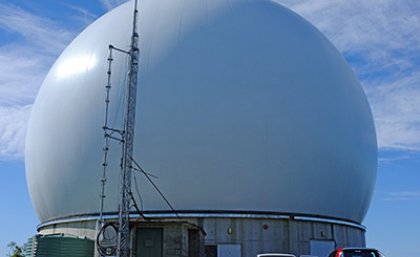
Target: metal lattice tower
x=126, y=138
x=123, y=248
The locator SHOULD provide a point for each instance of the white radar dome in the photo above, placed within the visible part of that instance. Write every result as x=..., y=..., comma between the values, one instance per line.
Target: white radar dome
x=241, y=106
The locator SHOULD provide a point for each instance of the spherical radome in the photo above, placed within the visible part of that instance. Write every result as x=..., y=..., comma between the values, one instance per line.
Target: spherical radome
x=242, y=106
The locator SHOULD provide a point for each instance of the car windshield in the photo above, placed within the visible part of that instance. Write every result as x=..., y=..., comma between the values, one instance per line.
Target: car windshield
x=360, y=253
x=275, y=255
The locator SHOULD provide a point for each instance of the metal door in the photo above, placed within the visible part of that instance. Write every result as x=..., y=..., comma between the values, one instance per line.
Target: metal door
x=149, y=242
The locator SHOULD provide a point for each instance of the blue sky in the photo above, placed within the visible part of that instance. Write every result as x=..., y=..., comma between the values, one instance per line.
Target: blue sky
x=380, y=40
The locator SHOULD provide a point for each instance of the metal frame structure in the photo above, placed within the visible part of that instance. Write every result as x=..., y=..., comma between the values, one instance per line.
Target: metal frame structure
x=126, y=138
x=123, y=248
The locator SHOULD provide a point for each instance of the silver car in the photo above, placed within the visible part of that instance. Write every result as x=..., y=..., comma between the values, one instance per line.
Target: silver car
x=275, y=255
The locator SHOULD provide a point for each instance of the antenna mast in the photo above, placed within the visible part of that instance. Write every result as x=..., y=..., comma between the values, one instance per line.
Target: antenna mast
x=123, y=247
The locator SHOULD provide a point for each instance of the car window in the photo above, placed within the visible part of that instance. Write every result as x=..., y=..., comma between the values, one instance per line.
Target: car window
x=360, y=253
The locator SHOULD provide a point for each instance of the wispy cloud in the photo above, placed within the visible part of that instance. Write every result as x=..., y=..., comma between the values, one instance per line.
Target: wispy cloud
x=111, y=4
x=43, y=34
x=13, y=130
x=20, y=75
x=401, y=196
x=25, y=60
x=394, y=156
x=396, y=107
x=381, y=40
x=81, y=14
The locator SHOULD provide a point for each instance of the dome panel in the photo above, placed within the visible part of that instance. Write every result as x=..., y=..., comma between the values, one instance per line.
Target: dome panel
x=241, y=106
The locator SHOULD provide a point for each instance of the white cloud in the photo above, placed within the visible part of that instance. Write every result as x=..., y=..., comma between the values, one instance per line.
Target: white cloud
x=24, y=60
x=20, y=75
x=401, y=196
x=111, y=4
x=388, y=160
x=82, y=15
x=381, y=40
x=13, y=130
x=42, y=34
x=396, y=107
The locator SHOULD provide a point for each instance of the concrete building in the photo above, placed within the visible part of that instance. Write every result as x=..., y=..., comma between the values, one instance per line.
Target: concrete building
x=258, y=131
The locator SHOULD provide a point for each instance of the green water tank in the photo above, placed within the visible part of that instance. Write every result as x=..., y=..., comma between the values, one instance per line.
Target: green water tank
x=59, y=245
